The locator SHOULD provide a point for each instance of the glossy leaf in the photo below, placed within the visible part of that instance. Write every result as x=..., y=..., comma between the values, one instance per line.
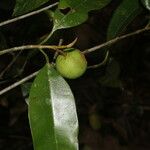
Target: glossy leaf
x=146, y=3
x=52, y=112
x=77, y=14
x=24, y=6
x=123, y=15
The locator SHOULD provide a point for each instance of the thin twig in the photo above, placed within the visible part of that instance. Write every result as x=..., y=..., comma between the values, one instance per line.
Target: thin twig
x=56, y=53
x=27, y=15
x=61, y=47
x=148, y=25
x=100, y=64
x=45, y=55
x=35, y=73
x=9, y=65
x=47, y=38
x=115, y=40
x=25, y=47
x=18, y=83
x=51, y=47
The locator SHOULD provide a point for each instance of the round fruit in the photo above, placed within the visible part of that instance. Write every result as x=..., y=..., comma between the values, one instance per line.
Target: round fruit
x=72, y=64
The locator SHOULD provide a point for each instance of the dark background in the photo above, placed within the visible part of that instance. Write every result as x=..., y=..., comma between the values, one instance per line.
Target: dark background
x=123, y=112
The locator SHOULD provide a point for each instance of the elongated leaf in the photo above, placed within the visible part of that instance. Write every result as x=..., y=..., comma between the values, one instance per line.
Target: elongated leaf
x=52, y=112
x=123, y=15
x=146, y=3
x=78, y=12
x=24, y=6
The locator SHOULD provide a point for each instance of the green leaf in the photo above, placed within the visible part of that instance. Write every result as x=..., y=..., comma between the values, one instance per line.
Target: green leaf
x=77, y=14
x=24, y=6
x=85, y=5
x=52, y=112
x=122, y=17
x=146, y=3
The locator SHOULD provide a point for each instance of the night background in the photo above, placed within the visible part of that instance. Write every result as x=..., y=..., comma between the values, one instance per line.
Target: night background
x=113, y=101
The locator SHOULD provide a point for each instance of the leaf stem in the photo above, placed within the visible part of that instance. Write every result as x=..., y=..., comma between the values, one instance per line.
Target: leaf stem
x=47, y=38
x=45, y=55
x=44, y=41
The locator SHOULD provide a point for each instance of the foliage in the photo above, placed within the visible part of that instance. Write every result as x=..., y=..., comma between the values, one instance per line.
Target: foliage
x=77, y=14
x=23, y=6
x=52, y=112
x=122, y=16
x=146, y=3
x=51, y=106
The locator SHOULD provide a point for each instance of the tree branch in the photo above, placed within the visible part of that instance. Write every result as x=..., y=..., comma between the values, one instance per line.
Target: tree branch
x=31, y=47
x=27, y=15
x=116, y=40
x=61, y=47
x=18, y=83
x=51, y=47
x=26, y=47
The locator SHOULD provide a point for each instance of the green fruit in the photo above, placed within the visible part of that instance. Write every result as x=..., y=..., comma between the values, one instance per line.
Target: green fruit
x=72, y=64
